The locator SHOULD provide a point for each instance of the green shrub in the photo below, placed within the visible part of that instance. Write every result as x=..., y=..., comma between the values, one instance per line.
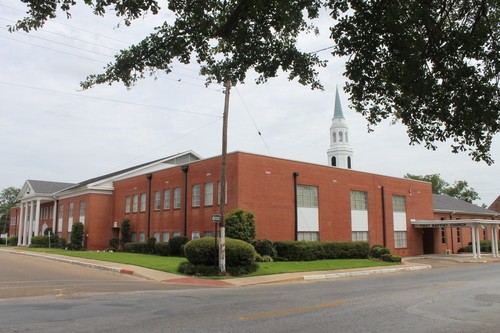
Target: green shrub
x=207, y=270
x=264, y=247
x=125, y=232
x=114, y=243
x=240, y=224
x=204, y=252
x=43, y=241
x=260, y=258
x=390, y=257
x=306, y=251
x=485, y=247
x=136, y=247
x=378, y=250
x=175, y=245
x=161, y=249
x=12, y=240
x=151, y=245
x=467, y=248
x=62, y=243
x=77, y=236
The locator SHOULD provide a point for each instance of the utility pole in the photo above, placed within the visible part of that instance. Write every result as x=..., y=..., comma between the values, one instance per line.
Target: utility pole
x=222, y=238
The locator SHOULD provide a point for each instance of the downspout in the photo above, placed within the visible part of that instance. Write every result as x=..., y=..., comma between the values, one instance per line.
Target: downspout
x=382, y=191
x=295, y=203
x=452, y=246
x=185, y=169
x=149, y=176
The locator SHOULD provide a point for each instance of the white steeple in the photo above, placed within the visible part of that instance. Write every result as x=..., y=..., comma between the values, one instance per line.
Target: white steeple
x=340, y=151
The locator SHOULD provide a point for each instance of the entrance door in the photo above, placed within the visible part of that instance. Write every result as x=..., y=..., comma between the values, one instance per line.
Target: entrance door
x=428, y=238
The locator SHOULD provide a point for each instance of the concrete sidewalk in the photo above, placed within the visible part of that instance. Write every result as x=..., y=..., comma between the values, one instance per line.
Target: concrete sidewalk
x=164, y=277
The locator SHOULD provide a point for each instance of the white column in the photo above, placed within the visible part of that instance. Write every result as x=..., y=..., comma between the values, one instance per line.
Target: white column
x=494, y=241
x=30, y=229
x=25, y=223
x=478, y=244
x=37, y=218
x=473, y=233
x=54, y=222
x=20, y=225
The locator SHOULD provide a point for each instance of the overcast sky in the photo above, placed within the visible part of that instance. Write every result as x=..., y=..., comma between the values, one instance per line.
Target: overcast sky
x=50, y=130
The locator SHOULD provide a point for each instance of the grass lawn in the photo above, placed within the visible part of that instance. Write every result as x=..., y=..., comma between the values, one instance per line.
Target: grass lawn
x=170, y=264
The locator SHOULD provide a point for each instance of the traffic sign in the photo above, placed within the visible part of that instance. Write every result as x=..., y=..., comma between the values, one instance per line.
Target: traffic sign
x=216, y=218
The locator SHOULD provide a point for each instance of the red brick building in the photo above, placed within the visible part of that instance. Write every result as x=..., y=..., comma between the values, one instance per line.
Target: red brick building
x=178, y=195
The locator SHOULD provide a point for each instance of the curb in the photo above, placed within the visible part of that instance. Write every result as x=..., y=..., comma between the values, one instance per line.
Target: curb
x=365, y=273
x=74, y=262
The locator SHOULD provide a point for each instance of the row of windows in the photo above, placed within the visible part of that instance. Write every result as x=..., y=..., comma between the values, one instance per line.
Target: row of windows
x=400, y=237
x=132, y=202
x=341, y=137
x=165, y=235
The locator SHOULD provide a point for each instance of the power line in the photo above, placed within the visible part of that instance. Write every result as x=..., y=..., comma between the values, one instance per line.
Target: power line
x=110, y=100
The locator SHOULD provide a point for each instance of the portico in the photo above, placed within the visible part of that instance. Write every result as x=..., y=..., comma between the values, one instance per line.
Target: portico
x=474, y=224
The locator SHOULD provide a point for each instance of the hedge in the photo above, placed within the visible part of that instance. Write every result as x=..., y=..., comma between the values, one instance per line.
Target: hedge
x=43, y=241
x=307, y=251
x=135, y=247
x=264, y=247
x=204, y=270
x=377, y=251
x=485, y=247
x=161, y=249
x=175, y=245
x=12, y=241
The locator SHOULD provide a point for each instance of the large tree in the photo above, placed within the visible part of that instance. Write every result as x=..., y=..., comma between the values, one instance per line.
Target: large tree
x=8, y=199
x=433, y=65
x=460, y=189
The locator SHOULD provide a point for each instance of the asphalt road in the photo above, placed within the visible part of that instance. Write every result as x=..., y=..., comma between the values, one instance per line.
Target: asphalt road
x=25, y=276
x=449, y=299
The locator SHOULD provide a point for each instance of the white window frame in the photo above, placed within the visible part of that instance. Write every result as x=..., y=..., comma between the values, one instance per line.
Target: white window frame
x=127, y=204
x=195, y=195
x=135, y=203
x=166, y=199
x=157, y=205
x=177, y=198
x=143, y=202
x=209, y=194
x=83, y=208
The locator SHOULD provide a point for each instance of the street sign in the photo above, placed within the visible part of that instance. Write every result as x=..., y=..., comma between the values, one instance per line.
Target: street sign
x=4, y=235
x=216, y=218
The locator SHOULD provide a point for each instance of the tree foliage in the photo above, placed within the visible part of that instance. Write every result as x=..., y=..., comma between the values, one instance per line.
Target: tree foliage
x=240, y=224
x=433, y=65
x=8, y=199
x=460, y=189
x=77, y=235
x=125, y=232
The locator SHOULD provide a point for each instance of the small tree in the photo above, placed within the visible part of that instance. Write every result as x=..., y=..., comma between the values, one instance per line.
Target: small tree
x=77, y=236
x=240, y=224
x=125, y=232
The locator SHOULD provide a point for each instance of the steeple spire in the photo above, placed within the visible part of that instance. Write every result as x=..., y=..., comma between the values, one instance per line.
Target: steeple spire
x=340, y=151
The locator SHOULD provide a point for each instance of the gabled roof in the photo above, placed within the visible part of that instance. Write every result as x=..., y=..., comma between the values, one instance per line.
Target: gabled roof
x=495, y=205
x=47, y=187
x=445, y=203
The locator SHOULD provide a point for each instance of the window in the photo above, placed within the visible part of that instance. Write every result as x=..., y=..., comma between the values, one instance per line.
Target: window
x=143, y=202
x=195, y=235
x=334, y=161
x=177, y=197
x=341, y=137
x=349, y=162
x=127, y=204
x=443, y=236
x=142, y=237
x=485, y=235
x=82, y=211
x=398, y=203
x=308, y=236
x=334, y=137
x=360, y=236
x=156, y=235
x=208, y=234
x=218, y=192
x=134, y=237
x=165, y=236
x=60, y=219
x=71, y=208
x=135, y=203
x=166, y=199
x=346, y=140
x=209, y=194
x=177, y=234
x=459, y=235
x=400, y=240
x=307, y=196
x=195, y=199
x=157, y=200
x=359, y=200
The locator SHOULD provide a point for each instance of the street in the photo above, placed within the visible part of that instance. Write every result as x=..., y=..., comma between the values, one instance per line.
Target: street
x=452, y=299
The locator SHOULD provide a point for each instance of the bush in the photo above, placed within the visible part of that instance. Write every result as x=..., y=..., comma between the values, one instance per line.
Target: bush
x=378, y=250
x=205, y=270
x=175, y=245
x=125, y=232
x=77, y=236
x=260, y=258
x=264, y=247
x=61, y=243
x=204, y=252
x=43, y=241
x=306, y=251
x=390, y=257
x=114, y=243
x=240, y=224
x=12, y=241
x=135, y=247
x=151, y=245
x=485, y=247
x=161, y=249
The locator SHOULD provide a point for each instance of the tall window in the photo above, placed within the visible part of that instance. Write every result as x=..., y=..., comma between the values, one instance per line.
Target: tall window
x=166, y=199
x=307, y=196
x=70, y=215
x=399, y=219
x=334, y=161
x=195, y=199
x=157, y=202
x=334, y=137
x=209, y=194
x=60, y=218
x=459, y=235
x=177, y=197
x=82, y=211
x=443, y=236
x=341, y=138
x=308, y=213
x=127, y=204
x=349, y=163
x=359, y=215
x=143, y=202
x=135, y=203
